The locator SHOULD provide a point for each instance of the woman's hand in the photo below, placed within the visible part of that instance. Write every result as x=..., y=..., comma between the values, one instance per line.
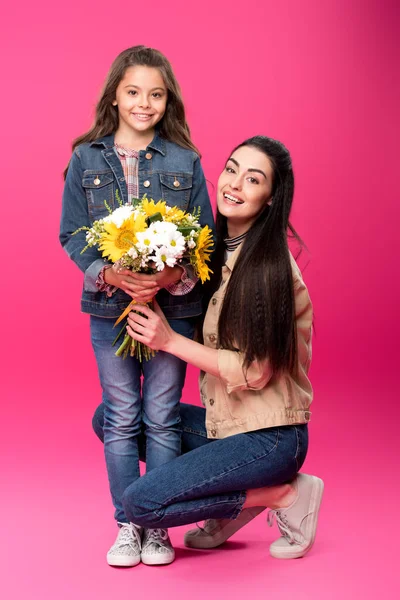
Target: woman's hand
x=150, y=327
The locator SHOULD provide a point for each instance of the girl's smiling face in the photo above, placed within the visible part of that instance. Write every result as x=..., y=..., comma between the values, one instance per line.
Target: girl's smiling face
x=244, y=188
x=141, y=98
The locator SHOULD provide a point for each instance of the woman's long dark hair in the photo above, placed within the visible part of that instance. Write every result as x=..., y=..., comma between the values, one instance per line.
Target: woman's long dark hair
x=258, y=312
x=173, y=125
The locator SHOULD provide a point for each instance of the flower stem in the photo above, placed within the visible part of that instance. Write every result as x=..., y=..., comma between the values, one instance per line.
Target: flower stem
x=125, y=345
x=123, y=328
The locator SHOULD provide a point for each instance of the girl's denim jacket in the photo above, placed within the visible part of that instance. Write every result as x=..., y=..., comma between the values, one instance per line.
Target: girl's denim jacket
x=161, y=167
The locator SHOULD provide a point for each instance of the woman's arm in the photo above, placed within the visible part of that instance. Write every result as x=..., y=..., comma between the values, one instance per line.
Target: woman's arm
x=153, y=330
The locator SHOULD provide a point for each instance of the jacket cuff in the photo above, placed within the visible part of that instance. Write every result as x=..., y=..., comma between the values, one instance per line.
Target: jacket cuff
x=233, y=374
x=230, y=366
x=91, y=275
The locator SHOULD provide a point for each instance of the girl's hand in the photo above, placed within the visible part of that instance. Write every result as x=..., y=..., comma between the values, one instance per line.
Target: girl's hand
x=162, y=278
x=141, y=290
x=150, y=327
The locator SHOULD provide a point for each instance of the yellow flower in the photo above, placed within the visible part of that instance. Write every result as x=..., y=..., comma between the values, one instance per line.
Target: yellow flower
x=202, y=253
x=116, y=241
x=174, y=215
x=150, y=208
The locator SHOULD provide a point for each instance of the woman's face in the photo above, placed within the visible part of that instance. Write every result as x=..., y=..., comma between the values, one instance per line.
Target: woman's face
x=244, y=188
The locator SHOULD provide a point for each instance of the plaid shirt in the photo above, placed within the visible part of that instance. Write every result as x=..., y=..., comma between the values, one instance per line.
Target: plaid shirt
x=130, y=164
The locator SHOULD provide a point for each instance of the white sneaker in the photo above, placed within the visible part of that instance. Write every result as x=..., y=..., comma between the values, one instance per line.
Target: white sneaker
x=216, y=531
x=125, y=552
x=298, y=522
x=157, y=548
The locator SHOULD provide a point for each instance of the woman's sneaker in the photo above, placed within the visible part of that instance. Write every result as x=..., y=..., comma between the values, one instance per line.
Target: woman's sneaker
x=125, y=552
x=157, y=548
x=298, y=522
x=216, y=531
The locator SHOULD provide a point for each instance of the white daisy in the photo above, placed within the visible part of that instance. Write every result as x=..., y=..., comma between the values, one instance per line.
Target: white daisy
x=119, y=215
x=162, y=257
x=147, y=241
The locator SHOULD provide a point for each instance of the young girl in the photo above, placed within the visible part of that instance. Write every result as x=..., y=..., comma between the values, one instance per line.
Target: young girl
x=139, y=144
x=242, y=453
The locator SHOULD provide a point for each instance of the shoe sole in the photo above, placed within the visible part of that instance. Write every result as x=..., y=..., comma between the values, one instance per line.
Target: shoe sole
x=119, y=562
x=156, y=560
x=315, y=505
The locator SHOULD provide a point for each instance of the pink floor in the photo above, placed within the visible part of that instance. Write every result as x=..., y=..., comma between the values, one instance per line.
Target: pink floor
x=56, y=522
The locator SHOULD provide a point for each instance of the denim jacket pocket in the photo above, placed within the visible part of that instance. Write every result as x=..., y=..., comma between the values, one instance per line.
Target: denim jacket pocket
x=176, y=189
x=99, y=187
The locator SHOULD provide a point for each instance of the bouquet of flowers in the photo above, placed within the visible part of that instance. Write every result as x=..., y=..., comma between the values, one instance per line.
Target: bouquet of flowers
x=144, y=236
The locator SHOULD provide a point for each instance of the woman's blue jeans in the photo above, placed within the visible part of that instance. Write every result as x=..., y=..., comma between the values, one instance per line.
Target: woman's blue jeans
x=131, y=401
x=211, y=477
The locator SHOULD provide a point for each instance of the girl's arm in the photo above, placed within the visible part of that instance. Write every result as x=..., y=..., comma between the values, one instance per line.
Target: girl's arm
x=75, y=215
x=170, y=276
x=199, y=195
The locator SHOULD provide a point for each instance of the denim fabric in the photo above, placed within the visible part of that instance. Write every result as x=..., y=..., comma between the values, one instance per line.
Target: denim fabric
x=131, y=403
x=210, y=478
x=161, y=165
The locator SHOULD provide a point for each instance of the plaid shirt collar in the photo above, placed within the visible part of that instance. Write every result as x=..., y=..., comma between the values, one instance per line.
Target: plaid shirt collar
x=157, y=143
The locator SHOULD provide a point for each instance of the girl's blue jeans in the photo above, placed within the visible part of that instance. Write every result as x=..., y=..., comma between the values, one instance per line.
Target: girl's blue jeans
x=211, y=477
x=132, y=402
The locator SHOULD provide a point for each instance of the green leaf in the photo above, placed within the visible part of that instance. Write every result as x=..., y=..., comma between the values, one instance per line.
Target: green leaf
x=118, y=197
x=186, y=230
x=154, y=218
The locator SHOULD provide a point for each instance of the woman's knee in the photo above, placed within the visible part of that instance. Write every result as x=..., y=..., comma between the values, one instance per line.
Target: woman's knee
x=139, y=507
x=98, y=422
x=193, y=416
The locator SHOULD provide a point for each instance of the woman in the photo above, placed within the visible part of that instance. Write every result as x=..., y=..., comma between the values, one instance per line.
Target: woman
x=243, y=451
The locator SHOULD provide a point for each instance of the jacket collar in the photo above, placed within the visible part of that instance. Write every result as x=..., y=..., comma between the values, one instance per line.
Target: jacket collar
x=230, y=263
x=107, y=141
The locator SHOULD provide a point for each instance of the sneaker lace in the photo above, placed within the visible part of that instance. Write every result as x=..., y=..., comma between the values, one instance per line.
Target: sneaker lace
x=208, y=526
x=282, y=522
x=129, y=536
x=156, y=535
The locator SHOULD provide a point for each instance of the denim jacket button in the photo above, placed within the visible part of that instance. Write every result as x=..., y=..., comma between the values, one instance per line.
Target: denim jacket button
x=96, y=181
x=212, y=337
x=211, y=401
x=176, y=183
x=214, y=301
x=148, y=155
x=146, y=183
x=213, y=432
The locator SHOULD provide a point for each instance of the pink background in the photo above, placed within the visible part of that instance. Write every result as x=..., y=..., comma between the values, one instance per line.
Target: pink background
x=320, y=76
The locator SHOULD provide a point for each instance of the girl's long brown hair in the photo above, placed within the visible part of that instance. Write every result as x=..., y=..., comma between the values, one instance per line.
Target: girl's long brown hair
x=173, y=125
